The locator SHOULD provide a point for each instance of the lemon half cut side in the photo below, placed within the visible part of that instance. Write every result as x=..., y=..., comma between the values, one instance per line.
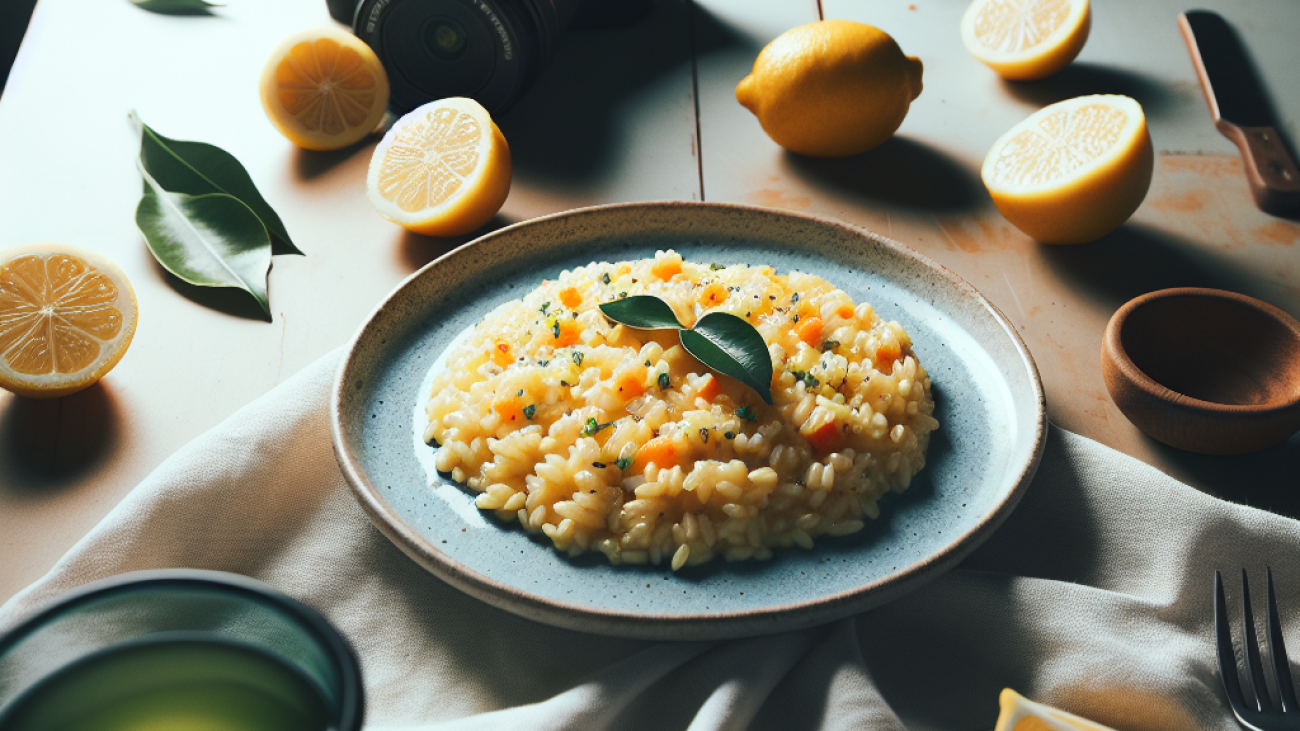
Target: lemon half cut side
x=1026, y=39
x=1018, y=713
x=442, y=170
x=1073, y=171
x=67, y=315
x=324, y=89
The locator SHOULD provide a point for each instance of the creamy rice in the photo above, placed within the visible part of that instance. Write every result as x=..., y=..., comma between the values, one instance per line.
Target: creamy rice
x=612, y=439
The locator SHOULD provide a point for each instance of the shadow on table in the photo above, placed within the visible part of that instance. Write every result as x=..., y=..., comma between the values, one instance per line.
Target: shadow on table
x=417, y=250
x=1081, y=79
x=52, y=443
x=899, y=172
x=1136, y=259
x=567, y=128
x=311, y=164
x=230, y=300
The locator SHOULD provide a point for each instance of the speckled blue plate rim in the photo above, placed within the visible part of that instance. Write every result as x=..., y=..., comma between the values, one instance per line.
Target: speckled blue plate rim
x=351, y=381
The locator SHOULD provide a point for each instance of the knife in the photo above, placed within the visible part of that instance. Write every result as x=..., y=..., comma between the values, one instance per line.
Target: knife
x=1241, y=110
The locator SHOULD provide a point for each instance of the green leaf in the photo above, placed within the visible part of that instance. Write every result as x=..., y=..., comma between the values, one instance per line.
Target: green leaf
x=197, y=168
x=177, y=7
x=731, y=346
x=643, y=312
x=211, y=240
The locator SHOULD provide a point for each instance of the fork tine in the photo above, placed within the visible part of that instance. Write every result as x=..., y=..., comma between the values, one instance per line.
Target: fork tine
x=1251, y=642
x=1277, y=649
x=1227, y=657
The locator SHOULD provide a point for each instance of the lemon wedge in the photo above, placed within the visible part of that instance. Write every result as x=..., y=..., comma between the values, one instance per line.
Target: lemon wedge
x=67, y=316
x=1021, y=714
x=442, y=170
x=1073, y=171
x=1026, y=39
x=324, y=89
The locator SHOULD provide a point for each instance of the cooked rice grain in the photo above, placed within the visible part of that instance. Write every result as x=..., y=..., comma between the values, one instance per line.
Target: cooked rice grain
x=682, y=465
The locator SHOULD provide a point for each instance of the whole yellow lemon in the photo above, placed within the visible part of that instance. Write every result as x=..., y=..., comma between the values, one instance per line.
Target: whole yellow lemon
x=831, y=88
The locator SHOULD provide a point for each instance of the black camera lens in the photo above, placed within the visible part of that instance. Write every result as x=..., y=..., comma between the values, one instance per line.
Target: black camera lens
x=489, y=50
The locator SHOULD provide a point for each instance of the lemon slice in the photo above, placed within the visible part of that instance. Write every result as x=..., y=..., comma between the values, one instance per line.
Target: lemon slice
x=324, y=89
x=442, y=170
x=1026, y=39
x=66, y=318
x=1074, y=171
x=1021, y=714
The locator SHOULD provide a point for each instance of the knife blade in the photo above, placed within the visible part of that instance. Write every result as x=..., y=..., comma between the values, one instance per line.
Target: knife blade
x=1241, y=110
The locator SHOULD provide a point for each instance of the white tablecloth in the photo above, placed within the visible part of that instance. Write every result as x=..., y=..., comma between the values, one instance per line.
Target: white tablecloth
x=1095, y=596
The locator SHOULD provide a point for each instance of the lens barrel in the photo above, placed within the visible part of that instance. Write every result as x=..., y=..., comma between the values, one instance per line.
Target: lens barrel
x=488, y=50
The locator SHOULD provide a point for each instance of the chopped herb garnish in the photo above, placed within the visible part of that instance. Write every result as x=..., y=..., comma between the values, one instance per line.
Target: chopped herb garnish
x=605, y=277
x=808, y=379
x=830, y=345
x=555, y=328
x=543, y=363
x=715, y=266
x=530, y=411
x=730, y=435
x=794, y=297
x=622, y=295
x=796, y=319
x=544, y=306
x=593, y=427
x=521, y=392
x=746, y=413
x=664, y=383
x=624, y=463
x=704, y=434
x=598, y=465
x=577, y=357
x=647, y=364
x=564, y=383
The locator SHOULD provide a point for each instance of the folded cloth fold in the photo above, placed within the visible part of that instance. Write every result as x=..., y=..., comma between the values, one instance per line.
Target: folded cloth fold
x=1094, y=596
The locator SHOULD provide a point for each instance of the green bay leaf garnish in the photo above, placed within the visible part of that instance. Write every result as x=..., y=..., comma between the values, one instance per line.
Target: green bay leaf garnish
x=177, y=7
x=197, y=168
x=720, y=340
x=731, y=346
x=211, y=240
x=643, y=312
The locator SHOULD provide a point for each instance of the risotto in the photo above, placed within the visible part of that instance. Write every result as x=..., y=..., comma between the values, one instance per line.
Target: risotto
x=607, y=438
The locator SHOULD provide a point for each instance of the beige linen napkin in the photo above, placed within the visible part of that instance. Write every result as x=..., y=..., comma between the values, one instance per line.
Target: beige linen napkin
x=1095, y=596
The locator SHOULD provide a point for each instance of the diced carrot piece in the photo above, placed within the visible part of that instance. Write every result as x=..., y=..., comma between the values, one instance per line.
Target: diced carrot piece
x=511, y=409
x=569, y=334
x=886, y=354
x=712, y=296
x=710, y=389
x=622, y=269
x=825, y=437
x=810, y=331
x=501, y=353
x=845, y=311
x=631, y=382
x=666, y=269
x=659, y=450
x=570, y=297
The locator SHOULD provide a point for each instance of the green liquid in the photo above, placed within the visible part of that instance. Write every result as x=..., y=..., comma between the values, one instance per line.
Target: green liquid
x=175, y=685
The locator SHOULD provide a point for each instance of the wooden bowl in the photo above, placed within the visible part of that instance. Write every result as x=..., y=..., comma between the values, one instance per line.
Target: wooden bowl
x=1205, y=370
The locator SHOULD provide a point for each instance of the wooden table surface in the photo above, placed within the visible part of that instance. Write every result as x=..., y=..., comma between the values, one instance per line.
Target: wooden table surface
x=641, y=113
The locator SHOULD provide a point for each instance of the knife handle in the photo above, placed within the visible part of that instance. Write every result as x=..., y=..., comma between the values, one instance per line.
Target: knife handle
x=1273, y=175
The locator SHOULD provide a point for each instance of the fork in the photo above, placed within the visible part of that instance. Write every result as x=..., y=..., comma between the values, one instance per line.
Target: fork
x=1255, y=711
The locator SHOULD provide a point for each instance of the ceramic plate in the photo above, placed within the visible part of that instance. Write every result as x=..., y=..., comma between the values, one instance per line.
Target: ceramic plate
x=989, y=403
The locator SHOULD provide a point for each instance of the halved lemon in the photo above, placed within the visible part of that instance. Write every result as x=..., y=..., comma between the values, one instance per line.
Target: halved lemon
x=442, y=170
x=1026, y=39
x=1021, y=714
x=324, y=89
x=67, y=316
x=1073, y=171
